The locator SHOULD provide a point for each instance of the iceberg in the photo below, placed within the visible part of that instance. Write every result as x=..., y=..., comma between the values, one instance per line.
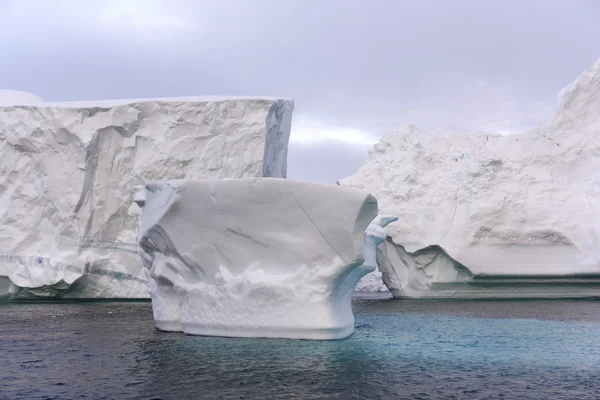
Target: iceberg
x=68, y=226
x=256, y=257
x=374, y=236
x=493, y=215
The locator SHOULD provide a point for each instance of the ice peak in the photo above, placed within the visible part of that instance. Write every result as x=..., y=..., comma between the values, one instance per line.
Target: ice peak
x=579, y=104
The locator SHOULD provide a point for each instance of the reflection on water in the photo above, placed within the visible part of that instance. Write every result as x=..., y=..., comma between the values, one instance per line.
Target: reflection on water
x=254, y=368
x=401, y=349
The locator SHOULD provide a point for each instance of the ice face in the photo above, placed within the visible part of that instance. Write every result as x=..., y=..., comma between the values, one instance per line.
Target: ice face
x=67, y=170
x=254, y=257
x=479, y=206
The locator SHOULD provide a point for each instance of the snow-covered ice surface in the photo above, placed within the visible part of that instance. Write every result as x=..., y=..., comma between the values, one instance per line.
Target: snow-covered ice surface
x=486, y=215
x=255, y=257
x=67, y=171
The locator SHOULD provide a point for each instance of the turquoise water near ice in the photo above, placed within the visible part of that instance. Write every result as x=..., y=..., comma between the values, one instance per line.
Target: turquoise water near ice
x=400, y=350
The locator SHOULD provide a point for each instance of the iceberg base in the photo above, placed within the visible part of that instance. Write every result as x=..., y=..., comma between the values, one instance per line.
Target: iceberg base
x=499, y=288
x=277, y=333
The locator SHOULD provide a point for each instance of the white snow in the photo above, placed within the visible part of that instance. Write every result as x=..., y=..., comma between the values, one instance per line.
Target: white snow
x=472, y=206
x=255, y=257
x=67, y=171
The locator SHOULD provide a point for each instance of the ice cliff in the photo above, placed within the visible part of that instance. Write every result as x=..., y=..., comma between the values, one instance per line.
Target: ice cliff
x=256, y=257
x=68, y=226
x=485, y=215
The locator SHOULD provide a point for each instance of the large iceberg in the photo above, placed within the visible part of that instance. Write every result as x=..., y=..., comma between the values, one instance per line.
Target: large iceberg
x=67, y=171
x=491, y=215
x=256, y=257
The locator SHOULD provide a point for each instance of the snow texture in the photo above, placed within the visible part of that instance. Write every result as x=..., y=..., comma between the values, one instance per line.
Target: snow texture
x=480, y=212
x=67, y=171
x=254, y=257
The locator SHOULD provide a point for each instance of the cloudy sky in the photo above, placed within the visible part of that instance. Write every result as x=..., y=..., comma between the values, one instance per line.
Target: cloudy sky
x=355, y=68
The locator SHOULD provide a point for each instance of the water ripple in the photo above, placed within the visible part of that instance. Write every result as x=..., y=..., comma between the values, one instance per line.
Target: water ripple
x=401, y=350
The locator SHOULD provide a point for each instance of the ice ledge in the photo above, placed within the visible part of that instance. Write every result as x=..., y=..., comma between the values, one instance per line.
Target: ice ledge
x=19, y=98
x=432, y=273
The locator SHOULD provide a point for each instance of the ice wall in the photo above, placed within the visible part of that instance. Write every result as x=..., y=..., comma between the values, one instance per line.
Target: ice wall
x=514, y=208
x=256, y=257
x=67, y=172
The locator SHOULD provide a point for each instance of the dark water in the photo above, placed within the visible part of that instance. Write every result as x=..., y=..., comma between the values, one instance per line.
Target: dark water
x=401, y=350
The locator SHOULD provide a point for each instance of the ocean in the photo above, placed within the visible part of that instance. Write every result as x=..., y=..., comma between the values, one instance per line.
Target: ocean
x=402, y=349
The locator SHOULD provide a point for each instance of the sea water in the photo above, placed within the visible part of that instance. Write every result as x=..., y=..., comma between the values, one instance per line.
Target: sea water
x=400, y=350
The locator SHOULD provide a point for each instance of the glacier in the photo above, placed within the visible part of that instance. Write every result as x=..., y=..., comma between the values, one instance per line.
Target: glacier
x=493, y=215
x=68, y=225
x=256, y=257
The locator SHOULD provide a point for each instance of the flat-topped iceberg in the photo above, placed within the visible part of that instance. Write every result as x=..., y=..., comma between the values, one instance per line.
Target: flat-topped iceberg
x=67, y=170
x=490, y=215
x=255, y=257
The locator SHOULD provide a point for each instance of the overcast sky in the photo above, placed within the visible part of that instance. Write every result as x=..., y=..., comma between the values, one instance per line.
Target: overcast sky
x=354, y=68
